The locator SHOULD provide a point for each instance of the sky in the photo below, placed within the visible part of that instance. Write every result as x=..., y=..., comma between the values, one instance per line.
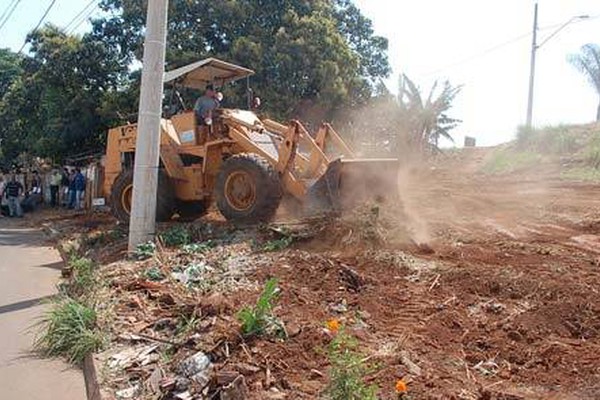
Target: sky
x=483, y=45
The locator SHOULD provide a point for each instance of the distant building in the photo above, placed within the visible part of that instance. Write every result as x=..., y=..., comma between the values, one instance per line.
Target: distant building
x=469, y=141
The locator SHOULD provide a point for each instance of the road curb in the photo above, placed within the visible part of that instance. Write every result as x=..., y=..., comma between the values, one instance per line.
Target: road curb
x=92, y=387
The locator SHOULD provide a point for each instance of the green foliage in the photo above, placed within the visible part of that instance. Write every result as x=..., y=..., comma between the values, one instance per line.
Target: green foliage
x=507, y=161
x=177, y=235
x=426, y=120
x=144, y=250
x=348, y=370
x=259, y=320
x=186, y=324
x=56, y=106
x=555, y=140
x=154, y=274
x=69, y=331
x=588, y=63
x=311, y=57
x=194, y=248
x=278, y=244
x=83, y=279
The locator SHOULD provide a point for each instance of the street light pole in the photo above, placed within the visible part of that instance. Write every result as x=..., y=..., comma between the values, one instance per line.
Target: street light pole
x=532, y=67
x=142, y=222
x=534, y=48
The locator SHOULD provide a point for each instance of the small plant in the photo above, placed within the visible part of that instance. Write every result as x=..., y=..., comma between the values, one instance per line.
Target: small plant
x=154, y=274
x=348, y=370
x=82, y=279
x=278, y=244
x=259, y=320
x=177, y=235
x=194, y=248
x=187, y=324
x=144, y=250
x=69, y=331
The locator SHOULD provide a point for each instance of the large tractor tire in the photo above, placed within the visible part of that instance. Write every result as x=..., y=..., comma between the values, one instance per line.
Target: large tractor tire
x=191, y=210
x=122, y=193
x=248, y=189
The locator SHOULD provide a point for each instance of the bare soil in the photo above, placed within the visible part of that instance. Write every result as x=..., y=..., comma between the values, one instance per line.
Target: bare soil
x=489, y=290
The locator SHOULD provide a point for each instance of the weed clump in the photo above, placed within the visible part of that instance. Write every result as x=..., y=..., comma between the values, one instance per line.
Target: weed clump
x=260, y=320
x=69, y=331
x=82, y=278
x=348, y=370
x=144, y=251
x=176, y=236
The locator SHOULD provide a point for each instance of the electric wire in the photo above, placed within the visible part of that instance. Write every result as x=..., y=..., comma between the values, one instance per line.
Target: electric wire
x=79, y=14
x=85, y=18
x=5, y=20
x=38, y=24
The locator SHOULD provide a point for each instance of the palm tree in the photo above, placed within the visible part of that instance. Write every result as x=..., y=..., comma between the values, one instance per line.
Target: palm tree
x=427, y=121
x=588, y=62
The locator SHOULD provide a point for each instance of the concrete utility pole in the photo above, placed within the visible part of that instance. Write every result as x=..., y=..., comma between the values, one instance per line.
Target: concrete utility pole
x=534, y=48
x=532, y=67
x=145, y=174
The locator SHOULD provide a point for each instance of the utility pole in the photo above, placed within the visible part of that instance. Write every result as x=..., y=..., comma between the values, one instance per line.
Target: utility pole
x=145, y=174
x=532, y=67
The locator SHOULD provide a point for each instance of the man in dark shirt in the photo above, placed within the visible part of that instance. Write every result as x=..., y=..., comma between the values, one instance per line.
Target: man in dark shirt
x=13, y=191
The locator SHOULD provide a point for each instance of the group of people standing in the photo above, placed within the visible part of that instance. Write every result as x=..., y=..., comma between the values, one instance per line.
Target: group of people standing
x=72, y=182
x=67, y=188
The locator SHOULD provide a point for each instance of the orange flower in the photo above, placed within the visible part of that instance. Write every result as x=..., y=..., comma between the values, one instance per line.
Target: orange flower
x=401, y=386
x=333, y=325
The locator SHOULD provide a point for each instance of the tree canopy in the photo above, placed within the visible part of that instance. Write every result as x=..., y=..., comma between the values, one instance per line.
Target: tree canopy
x=311, y=57
x=308, y=55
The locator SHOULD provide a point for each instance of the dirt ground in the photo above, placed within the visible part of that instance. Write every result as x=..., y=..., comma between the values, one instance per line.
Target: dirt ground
x=474, y=287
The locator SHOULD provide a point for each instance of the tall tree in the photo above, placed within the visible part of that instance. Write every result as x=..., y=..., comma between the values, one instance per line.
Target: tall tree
x=426, y=120
x=588, y=62
x=58, y=106
x=308, y=55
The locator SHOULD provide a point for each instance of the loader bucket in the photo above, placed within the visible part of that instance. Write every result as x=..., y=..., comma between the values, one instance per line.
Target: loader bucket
x=347, y=183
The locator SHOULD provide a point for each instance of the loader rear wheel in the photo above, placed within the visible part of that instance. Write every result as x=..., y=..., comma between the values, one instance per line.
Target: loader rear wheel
x=247, y=189
x=122, y=193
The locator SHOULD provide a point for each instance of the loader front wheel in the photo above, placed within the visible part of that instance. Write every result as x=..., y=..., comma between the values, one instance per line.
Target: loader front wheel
x=122, y=193
x=247, y=189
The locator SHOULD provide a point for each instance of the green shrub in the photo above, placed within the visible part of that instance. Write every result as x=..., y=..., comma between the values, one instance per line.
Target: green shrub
x=259, y=320
x=558, y=140
x=175, y=236
x=69, y=331
x=278, y=244
x=144, y=250
x=154, y=274
x=348, y=370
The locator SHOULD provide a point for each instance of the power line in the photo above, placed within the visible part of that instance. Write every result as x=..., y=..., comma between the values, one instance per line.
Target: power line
x=9, y=13
x=84, y=19
x=39, y=23
x=6, y=9
x=79, y=15
x=493, y=49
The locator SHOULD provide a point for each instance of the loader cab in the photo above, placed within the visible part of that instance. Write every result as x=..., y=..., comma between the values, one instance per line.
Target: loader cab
x=198, y=76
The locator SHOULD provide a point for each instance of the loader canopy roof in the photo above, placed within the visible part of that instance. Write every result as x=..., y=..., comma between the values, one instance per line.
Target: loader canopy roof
x=201, y=73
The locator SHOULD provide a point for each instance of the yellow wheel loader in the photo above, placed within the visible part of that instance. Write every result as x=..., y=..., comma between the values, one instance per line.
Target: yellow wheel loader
x=244, y=163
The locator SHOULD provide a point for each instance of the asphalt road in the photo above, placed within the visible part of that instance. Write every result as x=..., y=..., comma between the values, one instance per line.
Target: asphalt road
x=29, y=271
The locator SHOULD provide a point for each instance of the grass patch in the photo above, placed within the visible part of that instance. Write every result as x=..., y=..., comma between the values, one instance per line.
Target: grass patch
x=348, y=371
x=507, y=160
x=588, y=174
x=83, y=280
x=69, y=331
x=553, y=140
x=260, y=320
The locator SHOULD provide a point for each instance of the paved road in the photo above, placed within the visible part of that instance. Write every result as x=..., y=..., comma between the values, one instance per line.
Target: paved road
x=29, y=271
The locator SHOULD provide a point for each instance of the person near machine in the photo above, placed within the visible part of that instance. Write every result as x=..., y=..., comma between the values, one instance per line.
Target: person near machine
x=55, y=182
x=205, y=105
x=13, y=191
x=79, y=189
